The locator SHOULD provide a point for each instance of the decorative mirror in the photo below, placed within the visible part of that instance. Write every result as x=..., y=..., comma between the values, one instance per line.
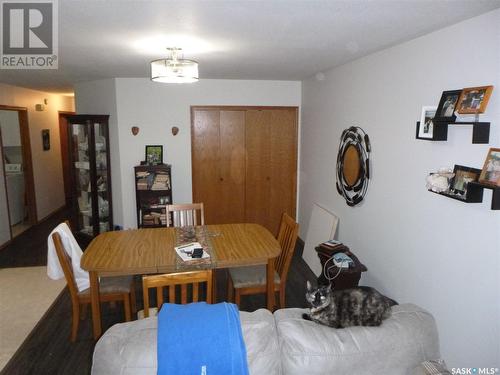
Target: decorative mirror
x=353, y=165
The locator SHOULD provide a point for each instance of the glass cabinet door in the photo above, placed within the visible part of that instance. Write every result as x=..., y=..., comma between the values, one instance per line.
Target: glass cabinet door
x=82, y=177
x=101, y=167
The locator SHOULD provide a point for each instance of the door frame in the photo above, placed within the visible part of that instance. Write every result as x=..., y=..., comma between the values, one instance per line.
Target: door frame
x=29, y=180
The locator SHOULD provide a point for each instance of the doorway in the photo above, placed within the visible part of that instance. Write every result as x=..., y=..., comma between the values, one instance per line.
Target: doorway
x=17, y=169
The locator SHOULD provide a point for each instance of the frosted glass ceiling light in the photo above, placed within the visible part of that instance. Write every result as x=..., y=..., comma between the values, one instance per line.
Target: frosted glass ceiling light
x=174, y=69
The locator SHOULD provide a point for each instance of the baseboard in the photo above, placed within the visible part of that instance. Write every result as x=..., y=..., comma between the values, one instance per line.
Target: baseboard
x=57, y=211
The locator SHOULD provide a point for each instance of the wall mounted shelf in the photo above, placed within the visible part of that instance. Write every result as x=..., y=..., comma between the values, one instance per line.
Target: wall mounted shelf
x=495, y=197
x=480, y=131
x=475, y=194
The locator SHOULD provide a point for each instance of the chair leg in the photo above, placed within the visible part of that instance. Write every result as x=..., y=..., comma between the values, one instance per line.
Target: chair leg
x=230, y=289
x=237, y=297
x=75, y=321
x=126, y=305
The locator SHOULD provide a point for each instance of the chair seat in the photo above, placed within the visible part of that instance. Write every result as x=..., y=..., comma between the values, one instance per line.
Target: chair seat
x=109, y=285
x=253, y=276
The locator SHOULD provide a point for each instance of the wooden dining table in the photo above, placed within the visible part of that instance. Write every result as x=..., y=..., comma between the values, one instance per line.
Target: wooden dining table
x=150, y=251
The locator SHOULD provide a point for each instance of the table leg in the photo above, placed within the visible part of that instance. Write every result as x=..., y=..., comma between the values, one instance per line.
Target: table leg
x=96, y=307
x=214, y=286
x=270, y=284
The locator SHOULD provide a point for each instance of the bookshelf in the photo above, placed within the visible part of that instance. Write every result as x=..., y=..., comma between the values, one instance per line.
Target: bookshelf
x=153, y=191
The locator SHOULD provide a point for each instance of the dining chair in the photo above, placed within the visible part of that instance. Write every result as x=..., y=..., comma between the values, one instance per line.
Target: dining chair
x=252, y=280
x=118, y=288
x=172, y=280
x=185, y=214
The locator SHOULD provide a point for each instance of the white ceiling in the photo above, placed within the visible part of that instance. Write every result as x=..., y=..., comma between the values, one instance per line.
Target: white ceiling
x=279, y=40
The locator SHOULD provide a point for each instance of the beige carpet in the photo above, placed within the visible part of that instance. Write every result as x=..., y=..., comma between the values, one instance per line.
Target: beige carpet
x=25, y=295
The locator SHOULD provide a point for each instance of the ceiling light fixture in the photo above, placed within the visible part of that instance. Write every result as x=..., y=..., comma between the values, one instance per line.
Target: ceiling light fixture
x=174, y=69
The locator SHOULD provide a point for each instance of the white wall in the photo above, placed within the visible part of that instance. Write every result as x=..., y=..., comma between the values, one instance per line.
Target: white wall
x=419, y=247
x=155, y=108
x=47, y=165
x=9, y=122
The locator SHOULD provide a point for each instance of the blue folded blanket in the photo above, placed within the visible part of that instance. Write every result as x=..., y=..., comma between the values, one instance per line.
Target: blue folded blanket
x=201, y=339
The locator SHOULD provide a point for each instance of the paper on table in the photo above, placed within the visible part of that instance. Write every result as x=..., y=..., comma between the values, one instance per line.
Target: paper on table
x=185, y=251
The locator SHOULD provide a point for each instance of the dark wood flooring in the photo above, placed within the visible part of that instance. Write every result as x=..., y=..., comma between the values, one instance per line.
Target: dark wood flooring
x=48, y=350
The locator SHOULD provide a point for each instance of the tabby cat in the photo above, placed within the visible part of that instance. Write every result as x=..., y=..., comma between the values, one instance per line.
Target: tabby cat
x=360, y=306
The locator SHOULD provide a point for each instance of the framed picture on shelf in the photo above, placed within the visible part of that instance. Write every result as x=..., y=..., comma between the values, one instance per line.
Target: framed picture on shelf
x=490, y=174
x=426, y=128
x=446, y=108
x=474, y=100
x=463, y=175
x=154, y=154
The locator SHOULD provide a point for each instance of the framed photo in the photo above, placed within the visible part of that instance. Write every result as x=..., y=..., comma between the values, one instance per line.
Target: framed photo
x=490, y=175
x=447, y=104
x=154, y=154
x=46, y=139
x=474, y=100
x=463, y=175
x=426, y=129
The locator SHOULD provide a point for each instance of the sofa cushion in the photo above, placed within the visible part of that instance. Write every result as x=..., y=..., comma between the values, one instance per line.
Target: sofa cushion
x=130, y=348
x=402, y=342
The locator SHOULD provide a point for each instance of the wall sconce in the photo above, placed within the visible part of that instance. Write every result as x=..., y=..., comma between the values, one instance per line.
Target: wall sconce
x=175, y=130
x=135, y=130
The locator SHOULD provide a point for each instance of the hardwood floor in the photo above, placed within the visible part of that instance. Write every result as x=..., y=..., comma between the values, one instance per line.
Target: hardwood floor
x=48, y=349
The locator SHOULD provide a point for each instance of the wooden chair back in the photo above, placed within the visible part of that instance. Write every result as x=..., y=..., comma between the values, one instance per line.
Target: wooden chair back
x=65, y=262
x=287, y=236
x=185, y=214
x=171, y=280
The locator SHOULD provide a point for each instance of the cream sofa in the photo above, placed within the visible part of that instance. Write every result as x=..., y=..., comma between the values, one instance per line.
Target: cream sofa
x=284, y=343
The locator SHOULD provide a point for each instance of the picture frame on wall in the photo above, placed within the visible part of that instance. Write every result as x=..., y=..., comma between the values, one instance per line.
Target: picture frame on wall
x=462, y=176
x=490, y=174
x=474, y=100
x=447, y=105
x=154, y=154
x=46, y=139
x=426, y=128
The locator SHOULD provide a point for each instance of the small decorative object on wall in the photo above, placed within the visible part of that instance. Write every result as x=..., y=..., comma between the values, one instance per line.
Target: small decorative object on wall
x=46, y=139
x=447, y=104
x=154, y=154
x=175, y=130
x=463, y=175
x=490, y=175
x=353, y=165
x=426, y=128
x=135, y=130
x=474, y=100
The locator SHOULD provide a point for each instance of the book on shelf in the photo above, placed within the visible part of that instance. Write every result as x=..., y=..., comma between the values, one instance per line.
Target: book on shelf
x=331, y=244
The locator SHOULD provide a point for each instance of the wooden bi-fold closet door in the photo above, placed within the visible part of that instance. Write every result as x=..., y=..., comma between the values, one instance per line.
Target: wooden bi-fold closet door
x=244, y=163
x=218, y=164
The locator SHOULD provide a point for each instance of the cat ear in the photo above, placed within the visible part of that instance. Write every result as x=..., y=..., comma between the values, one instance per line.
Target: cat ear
x=308, y=286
